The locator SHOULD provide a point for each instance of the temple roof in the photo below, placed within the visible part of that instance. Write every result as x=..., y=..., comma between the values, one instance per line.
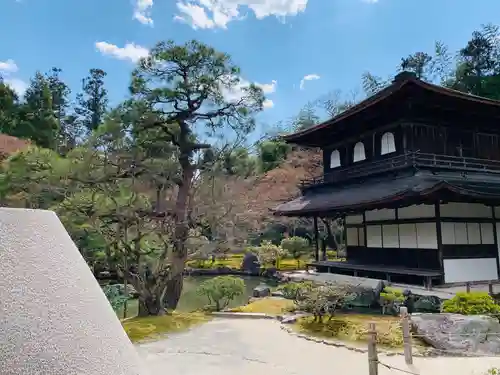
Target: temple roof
x=404, y=84
x=392, y=192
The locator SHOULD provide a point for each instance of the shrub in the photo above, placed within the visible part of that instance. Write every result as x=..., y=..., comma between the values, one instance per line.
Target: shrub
x=473, y=303
x=390, y=298
x=221, y=290
x=294, y=290
x=297, y=247
x=268, y=253
x=115, y=296
x=325, y=300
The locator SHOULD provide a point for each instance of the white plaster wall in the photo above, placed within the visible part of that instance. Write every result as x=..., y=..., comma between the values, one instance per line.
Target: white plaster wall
x=417, y=211
x=465, y=210
x=354, y=219
x=54, y=318
x=382, y=214
x=463, y=270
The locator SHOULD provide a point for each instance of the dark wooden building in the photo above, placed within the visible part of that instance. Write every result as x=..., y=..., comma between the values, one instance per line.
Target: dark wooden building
x=415, y=172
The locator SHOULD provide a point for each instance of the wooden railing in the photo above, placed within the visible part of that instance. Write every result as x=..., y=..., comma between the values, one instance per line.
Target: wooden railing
x=403, y=161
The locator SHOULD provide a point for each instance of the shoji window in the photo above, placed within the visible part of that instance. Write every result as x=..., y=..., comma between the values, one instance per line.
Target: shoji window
x=388, y=143
x=335, y=159
x=359, y=152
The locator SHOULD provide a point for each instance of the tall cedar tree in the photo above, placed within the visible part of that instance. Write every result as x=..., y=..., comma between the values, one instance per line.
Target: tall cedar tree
x=36, y=117
x=92, y=104
x=188, y=87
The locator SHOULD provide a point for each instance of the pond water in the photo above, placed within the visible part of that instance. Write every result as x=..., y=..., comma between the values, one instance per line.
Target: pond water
x=191, y=301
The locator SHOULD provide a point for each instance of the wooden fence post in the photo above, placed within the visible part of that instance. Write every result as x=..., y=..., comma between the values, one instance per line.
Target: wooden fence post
x=372, y=350
x=405, y=326
x=467, y=287
x=490, y=288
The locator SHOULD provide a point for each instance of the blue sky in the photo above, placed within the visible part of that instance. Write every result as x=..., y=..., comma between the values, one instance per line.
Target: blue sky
x=275, y=42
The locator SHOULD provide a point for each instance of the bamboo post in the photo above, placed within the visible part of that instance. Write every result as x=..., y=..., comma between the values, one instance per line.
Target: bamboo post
x=372, y=350
x=405, y=326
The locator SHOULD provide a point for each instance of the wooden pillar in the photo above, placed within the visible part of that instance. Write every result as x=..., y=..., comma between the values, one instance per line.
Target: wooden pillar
x=439, y=235
x=495, y=239
x=316, y=239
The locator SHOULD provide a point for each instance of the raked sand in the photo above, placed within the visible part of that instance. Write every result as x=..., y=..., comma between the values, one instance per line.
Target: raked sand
x=253, y=347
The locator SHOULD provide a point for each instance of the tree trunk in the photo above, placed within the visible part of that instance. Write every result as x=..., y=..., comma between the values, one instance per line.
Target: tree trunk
x=150, y=306
x=179, y=253
x=174, y=290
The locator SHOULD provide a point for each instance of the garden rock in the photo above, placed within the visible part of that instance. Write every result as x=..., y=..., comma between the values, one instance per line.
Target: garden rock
x=271, y=273
x=366, y=291
x=277, y=293
x=290, y=319
x=427, y=304
x=261, y=291
x=459, y=334
x=251, y=264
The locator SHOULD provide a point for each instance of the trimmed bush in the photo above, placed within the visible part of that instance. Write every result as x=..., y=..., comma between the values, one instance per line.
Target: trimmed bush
x=390, y=298
x=221, y=290
x=294, y=289
x=473, y=303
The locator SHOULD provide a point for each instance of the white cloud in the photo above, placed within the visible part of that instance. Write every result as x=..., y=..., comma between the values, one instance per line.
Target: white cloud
x=236, y=91
x=8, y=66
x=308, y=77
x=208, y=14
x=142, y=11
x=130, y=51
x=268, y=103
x=6, y=69
x=18, y=85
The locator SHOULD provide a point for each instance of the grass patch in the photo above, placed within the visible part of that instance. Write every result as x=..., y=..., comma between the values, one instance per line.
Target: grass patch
x=354, y=327
x=268, y=305
x=139, y=329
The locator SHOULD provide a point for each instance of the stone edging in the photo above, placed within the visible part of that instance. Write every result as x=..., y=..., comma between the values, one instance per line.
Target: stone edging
x=241, y=315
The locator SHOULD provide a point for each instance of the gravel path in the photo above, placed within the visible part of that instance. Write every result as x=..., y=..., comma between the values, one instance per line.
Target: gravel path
x=250, y=347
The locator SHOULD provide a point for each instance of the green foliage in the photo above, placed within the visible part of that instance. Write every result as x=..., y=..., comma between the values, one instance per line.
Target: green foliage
x=115, y=297
x=268, y=253
x=473, y=303
x=221, y=290
x=297, y=247
x=390, y=297
x=392, y=294
x=324, y=300
x=271, y=154
x=93, y=102
x=295, y=290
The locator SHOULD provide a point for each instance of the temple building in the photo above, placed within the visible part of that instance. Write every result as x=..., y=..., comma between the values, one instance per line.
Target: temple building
x=414, y=170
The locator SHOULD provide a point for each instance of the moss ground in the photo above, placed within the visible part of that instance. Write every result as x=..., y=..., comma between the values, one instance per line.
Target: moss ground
x=269, y=305
x=140, y=329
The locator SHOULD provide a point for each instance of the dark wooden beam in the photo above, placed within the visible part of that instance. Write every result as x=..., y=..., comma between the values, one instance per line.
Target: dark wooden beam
x=439, y=236
x=316, y=239
x=495, y=239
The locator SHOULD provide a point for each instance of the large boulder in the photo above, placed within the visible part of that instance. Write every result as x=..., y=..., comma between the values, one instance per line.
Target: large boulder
x=261, y=290
x=458, y=334
x=366, y=291
x=251, y=264
x=427, y=304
